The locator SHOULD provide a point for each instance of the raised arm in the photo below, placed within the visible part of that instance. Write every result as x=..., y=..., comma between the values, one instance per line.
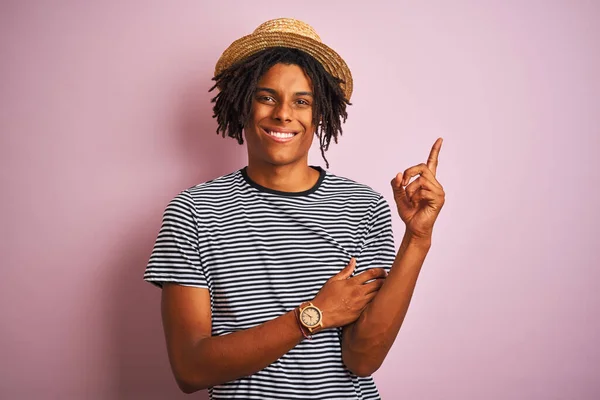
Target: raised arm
x=366, y=342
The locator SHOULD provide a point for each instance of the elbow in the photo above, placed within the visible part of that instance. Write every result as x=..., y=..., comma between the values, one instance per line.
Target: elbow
x=189, y=387
x=191, y=375
x=361, y=366
x=363, y=369
x=186, y=386
x=190, y=383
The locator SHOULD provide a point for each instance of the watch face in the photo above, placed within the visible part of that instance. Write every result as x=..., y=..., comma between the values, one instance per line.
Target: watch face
x=310, y=316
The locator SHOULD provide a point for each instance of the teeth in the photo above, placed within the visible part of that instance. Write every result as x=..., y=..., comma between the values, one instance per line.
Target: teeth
x=281, y=134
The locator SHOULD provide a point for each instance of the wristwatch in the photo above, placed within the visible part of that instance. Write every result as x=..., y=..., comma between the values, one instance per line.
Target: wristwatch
x=311, y=317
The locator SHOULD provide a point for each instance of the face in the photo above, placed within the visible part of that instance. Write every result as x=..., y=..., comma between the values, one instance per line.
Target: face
x=280, y=129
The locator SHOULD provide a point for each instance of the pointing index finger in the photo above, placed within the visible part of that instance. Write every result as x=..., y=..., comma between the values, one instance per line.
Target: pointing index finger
x=432, y=160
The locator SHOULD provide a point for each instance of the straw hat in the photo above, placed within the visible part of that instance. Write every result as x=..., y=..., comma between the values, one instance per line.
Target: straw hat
x=288, y=32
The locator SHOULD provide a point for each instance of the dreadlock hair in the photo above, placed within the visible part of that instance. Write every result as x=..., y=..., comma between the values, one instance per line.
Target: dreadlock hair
x=237, y=86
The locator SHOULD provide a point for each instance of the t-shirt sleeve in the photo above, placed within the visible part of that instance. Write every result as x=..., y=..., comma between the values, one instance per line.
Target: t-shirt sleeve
x=378, y=250
x=176, y=257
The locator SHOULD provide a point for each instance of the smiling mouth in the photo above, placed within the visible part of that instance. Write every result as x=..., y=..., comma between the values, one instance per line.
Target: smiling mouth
x=280, y=136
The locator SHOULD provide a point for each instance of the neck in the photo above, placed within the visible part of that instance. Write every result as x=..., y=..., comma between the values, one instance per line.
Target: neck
x=284, y=178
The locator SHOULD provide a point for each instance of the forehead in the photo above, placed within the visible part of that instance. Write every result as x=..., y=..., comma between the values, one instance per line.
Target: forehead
x=284, y=77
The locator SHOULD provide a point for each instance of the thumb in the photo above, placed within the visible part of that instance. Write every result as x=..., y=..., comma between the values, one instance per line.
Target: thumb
x=347, y=271
x=397, y=184
x=398, y=189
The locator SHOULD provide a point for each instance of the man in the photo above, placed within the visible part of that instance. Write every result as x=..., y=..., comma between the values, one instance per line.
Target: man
x=280, y=280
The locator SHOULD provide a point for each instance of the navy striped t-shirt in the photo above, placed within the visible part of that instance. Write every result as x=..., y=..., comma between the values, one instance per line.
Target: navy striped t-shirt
x=261, y=253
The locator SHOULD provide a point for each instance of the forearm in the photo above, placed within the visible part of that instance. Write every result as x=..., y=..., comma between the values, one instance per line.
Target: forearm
x=219, y=359
x=367, y=341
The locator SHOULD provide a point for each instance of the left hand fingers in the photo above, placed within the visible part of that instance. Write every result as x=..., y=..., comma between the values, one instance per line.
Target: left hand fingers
x=434, y=198
x=424, y=171
x=424, y=184
x=432, y=160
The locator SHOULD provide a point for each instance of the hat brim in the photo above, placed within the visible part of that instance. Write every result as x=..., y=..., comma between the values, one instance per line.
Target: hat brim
x=251, y=44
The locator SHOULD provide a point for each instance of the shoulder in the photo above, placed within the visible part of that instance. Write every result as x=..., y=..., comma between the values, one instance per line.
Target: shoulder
x=346, y=186
x=222, y=186
x=357, y=196
x=213, y=191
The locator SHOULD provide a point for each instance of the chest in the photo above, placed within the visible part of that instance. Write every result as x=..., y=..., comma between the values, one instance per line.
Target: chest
x=269, y=256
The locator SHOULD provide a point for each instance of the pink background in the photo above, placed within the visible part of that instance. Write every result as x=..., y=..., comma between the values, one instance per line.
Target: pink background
x=105, y=116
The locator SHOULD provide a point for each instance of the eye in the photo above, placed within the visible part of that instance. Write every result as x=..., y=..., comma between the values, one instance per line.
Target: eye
x=266, y=99
x=303, y=102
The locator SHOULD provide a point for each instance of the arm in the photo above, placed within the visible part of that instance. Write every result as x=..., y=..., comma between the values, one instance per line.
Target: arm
x=366, y=342
x=199, y=360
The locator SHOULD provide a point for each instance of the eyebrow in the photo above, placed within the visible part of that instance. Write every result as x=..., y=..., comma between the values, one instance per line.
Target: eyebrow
x=273, y=91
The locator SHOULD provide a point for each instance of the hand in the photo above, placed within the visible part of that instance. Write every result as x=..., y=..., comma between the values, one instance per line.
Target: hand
x=342, y=299
x=420, y=203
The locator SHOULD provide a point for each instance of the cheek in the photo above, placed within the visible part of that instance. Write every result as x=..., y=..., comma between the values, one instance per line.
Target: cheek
x=257, y=113
x=308, y=140
x=306, y=120
x=311, y=129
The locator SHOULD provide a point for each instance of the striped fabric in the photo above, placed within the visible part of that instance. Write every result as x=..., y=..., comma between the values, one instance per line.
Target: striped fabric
x=261, y=253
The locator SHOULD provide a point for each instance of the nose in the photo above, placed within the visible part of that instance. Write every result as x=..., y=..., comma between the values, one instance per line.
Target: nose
x=282, y=112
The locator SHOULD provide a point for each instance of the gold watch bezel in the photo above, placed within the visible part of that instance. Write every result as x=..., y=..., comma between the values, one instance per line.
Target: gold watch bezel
x=318, y=324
